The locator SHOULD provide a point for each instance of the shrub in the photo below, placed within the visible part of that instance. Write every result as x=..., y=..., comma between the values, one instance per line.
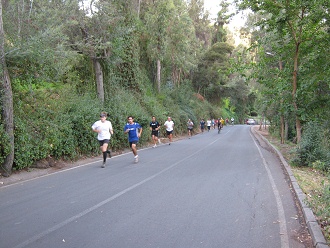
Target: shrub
x=313, y=147
x=4, y=144
x=54, y=124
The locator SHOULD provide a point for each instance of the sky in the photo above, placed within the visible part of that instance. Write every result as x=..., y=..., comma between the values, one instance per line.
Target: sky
x=213, y=7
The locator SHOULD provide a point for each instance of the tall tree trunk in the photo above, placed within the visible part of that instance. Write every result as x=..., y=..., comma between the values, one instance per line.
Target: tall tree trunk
x=7, y=102
x=286, y=133
x=280, y=65
x=99, y=79
x=282, y=129
x=139, y=7
x=294, y=91
x=158, y=75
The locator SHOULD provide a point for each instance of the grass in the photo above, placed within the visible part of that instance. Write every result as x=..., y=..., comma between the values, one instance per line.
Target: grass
x=315, y=185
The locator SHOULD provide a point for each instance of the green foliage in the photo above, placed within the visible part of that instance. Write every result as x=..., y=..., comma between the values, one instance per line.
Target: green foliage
x=293, y=85
x=4, y=147
x=212, y=74
x=54, y=124
x=37, y=50
x=313, y=150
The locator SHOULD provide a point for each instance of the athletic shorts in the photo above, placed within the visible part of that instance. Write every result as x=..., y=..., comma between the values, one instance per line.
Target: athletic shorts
x=154, y=133
x=106, y=141
x=190, y=129
x=169, y=132
x=133, y=142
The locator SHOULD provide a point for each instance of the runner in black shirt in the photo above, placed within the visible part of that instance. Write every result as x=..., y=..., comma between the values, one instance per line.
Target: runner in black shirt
x=154, y=127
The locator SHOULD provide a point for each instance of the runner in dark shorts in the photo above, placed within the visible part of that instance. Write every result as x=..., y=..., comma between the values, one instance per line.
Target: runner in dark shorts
x=169, y=124
x=169, y=132
x=104, y=130
x=154, y=127
x=190, y=126
x=134, y=131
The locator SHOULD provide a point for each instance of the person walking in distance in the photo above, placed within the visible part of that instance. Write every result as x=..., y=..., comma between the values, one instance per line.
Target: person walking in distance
x=169, y=124
x=104, y=130
x=134, y=131
x=190, y=126
x=154, y=127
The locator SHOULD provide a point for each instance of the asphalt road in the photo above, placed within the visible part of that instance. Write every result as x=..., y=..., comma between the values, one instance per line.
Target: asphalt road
x=213, y=190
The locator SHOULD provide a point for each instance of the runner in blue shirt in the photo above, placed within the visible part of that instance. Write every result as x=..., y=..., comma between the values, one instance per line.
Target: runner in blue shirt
x=134, y=131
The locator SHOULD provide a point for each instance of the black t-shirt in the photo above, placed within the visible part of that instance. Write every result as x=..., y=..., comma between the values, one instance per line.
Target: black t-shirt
x=154, y=125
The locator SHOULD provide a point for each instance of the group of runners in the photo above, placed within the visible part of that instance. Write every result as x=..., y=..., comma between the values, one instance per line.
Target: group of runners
x=104, y=130
x=212, y=123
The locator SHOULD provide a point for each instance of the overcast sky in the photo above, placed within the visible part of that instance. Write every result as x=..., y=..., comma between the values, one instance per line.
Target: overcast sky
x=213, y=7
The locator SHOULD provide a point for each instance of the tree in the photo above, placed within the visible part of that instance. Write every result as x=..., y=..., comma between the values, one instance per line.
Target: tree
x=201, y=22
x=299, y=22
x=92, y=33
x=222, y=18
x=213, y=71
x=157, y=21
x=6, y=98
x=37, y=43
x=183, y=45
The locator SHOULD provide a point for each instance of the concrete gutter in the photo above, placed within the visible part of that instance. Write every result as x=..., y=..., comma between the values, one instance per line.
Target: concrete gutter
x=312, y=224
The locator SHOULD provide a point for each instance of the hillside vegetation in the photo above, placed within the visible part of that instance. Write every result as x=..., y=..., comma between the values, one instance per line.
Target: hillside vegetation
x=65, y=63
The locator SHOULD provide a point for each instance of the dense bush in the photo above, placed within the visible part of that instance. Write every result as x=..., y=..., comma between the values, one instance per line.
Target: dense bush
x=4, y=147
x=314, y=147
x=53, y=124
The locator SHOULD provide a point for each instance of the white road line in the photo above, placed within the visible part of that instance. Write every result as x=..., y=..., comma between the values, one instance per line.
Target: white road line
x=283, y=229
x=100, y=204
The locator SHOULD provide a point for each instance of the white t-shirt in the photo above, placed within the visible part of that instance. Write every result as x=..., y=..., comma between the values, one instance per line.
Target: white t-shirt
x=208, y=123
x=169, y=125
x=105, y=128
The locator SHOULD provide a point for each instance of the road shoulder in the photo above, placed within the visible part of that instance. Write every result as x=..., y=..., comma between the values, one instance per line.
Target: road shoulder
x=318, y=238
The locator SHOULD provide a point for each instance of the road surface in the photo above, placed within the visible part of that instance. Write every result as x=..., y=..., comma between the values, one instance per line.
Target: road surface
x=213, y=190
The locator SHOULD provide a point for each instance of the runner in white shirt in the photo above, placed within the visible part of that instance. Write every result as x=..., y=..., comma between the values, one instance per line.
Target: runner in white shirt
x=208, y=123
x=169, y=124
x=104, y=130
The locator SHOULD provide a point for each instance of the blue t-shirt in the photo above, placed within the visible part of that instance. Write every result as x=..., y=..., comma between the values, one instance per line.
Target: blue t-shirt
x=133, y=131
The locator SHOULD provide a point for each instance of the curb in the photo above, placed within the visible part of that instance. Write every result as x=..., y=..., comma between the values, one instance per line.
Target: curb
x=312, y=224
